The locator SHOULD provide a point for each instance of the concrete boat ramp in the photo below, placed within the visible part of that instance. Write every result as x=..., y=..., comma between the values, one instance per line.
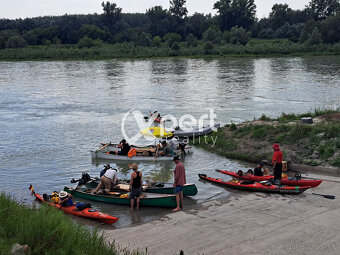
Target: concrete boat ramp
x=245, y=223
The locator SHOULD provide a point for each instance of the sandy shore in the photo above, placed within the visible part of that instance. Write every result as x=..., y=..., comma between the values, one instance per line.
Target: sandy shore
x=245, y=223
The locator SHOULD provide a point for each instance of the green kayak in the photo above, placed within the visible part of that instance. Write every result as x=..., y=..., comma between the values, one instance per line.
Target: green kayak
x=189, y=189
x=121, y=198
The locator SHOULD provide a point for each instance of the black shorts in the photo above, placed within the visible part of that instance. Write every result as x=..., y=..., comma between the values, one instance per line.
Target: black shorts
x=135, y=193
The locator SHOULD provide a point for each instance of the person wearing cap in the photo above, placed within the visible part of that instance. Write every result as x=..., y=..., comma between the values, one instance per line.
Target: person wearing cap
x=106, y=167
x=179, y=181
x=107, y=180
x=277, y=163
x=258, y=169
x=65, y=199
x=125, y=148
x=135, y=186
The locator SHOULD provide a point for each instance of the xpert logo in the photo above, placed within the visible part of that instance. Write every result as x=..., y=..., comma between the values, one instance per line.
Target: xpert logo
x=146, y=134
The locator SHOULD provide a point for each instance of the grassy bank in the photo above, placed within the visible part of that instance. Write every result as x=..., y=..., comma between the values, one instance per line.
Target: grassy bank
x=281, y=47
x=47, y=231
x=310, y=144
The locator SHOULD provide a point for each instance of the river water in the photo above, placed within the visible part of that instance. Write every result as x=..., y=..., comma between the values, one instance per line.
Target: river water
x=53, y=113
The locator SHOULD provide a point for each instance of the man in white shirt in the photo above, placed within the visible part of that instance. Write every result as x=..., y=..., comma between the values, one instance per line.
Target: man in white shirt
x=107, y=180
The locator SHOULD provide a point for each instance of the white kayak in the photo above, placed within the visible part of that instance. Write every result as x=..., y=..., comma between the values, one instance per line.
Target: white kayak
x=107, y=155
x=194, y=132
x=105, y=147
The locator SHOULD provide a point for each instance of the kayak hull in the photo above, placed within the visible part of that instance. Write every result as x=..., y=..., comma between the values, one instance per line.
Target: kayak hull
x=284, y=181
x=257, y=187
x=189, y=189
x=147, y=199
x=105, y=155
x=88, y=213
x=194, y=132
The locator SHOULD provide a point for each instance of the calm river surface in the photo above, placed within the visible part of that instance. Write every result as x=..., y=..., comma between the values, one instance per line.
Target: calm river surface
x=53, y=113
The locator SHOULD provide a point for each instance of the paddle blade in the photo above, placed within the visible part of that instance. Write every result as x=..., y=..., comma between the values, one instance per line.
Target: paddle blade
x=31, y=189
x=329, y=196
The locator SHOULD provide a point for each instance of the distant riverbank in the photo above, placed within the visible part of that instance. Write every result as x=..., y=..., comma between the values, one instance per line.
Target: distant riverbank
x=316, y=144
x=255, y=48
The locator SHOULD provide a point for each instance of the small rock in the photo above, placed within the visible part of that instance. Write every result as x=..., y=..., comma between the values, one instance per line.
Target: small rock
x=291, y=123
x=18, y=249
x=320, y=135
x=315, y=155
x=275, y=123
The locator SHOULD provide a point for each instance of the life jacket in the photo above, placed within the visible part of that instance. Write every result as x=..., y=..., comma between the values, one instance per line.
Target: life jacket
x=55, y=197
x=132, y=152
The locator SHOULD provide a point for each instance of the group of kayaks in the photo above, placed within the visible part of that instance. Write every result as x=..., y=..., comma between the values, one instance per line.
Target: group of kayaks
x=249, y=182
x=156, y=194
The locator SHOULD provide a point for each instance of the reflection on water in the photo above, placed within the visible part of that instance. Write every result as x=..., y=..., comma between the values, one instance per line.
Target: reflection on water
x=53, y=113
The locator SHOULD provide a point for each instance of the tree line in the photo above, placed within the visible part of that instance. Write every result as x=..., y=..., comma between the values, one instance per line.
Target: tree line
x=234, y=23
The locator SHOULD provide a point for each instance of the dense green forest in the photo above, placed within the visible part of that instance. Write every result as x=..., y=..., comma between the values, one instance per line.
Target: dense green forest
x=233, y=30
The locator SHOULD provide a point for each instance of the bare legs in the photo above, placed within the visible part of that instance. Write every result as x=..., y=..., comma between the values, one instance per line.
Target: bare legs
x=179, y=200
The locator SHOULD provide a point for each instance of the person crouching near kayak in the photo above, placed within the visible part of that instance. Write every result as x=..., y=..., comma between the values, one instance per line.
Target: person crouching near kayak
x=135, y=186
x=179, y=181
x=65, y=199
x=277, y=163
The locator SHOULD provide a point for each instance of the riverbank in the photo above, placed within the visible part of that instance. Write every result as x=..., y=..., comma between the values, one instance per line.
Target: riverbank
x=245, y=223
x=316, y=144
x=255, y=48
x=48, y=231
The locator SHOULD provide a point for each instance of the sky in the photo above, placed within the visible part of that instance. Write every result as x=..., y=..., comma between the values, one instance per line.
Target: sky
x=12, y=9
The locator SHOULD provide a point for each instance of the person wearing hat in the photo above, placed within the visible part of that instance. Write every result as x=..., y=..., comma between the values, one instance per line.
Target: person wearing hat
x=135, y=186
x=106, y=167
x=258, y=169
x=277, y=163
x=179, y=181
x=65, y=199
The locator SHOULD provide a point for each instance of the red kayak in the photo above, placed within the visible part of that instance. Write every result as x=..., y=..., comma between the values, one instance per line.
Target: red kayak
x=88, y=213
x=256, y=186
x=284, y=181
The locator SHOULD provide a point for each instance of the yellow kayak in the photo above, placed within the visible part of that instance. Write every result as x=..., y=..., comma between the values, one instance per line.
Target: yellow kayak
x=157, y=132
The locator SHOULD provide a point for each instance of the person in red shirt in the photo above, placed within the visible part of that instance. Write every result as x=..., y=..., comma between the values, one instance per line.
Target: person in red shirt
x=277, y=163
x=179, y=181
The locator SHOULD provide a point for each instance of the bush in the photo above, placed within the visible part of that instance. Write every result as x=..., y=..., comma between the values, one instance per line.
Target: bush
x=157, y=41
x=15, y=41
x=239, y=35
x=85, y=42
x=208, y=48
x=170, y=38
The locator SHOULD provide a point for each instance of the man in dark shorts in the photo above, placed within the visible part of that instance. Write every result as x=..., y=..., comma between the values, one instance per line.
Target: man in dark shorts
x=179, y=181
x=135, y=186
x=277, y=163
x=125, y=148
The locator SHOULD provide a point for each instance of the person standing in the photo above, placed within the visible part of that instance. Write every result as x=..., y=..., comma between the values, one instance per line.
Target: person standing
x=277, y=163
x=135, y=186
x=179, y=181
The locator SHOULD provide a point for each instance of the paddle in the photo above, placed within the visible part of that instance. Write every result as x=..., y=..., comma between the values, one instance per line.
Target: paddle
x=104, y=146
x=31, y=189
x=325, y=196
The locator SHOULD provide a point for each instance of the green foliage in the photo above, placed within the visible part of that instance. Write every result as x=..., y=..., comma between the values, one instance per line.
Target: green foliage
x=85, y=42
x=170, y=38
x=191, y=40
x=327, y=150
x=15, y=41
x=112, y=16
x=239, y=35
x=212, y=35
x=315, y=38
x=175, y=46
x=232, y=127
x=47, y=231
x=208, y=48
x=93, y=32
x=264, y=117
x=157, y=41
x=178, y=9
